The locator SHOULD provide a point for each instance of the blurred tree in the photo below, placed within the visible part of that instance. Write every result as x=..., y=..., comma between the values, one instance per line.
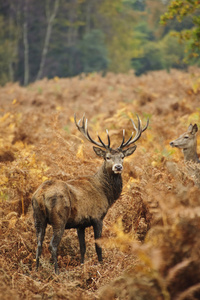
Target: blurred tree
x=50, y=15
x=26, y=44
x=180, y=10
x=164, y=51
x=117, y=21
x=93, y=52
x=67, y=37
x=8, y=54
x=172, y=52
x=83, y=22
x=150, y=59
x=154, y=9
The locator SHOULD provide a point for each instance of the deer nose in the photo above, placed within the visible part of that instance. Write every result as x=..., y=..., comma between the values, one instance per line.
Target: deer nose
x=117, y=168
x=172, y=144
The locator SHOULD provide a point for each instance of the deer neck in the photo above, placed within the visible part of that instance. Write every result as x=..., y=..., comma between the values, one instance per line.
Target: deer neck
x=190, y=154
x=111, y=184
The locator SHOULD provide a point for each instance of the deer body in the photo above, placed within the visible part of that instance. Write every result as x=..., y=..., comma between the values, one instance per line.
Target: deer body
x=188, y=143
x=83, y=202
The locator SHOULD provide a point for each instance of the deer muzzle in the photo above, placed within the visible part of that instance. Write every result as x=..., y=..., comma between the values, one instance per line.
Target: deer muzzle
x=172, y=144
x=117, y=168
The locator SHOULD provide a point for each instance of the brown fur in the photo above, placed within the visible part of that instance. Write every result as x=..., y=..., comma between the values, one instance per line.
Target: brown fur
x=76, y=204
x=82, y=202
x=82, y=198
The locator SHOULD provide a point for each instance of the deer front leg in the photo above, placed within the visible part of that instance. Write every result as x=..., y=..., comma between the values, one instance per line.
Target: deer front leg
x=81, y=238
x=97, y=226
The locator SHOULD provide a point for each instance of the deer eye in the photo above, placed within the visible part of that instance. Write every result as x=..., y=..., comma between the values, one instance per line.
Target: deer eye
x=186, y=137
x=108, y=157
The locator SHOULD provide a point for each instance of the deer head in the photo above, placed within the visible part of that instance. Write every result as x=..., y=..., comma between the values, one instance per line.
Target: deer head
x=188, y=143
x=113, y=157
x=187, y=139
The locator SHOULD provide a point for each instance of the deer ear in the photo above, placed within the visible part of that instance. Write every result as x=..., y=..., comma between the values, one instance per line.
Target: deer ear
x=99, y=151
x=129, y=151
x=190, y=128
x=194, y=129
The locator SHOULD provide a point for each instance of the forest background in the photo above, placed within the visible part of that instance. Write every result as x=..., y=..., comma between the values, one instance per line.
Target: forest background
x=65, y=38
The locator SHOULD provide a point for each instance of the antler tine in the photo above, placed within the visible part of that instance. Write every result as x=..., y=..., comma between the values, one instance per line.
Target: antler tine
x=145, y=127
x=104, y=145
x=138, y=130
x=136, y=135
x=84, y=130
x=123, y=139
x=108, y=138
x=102, y=142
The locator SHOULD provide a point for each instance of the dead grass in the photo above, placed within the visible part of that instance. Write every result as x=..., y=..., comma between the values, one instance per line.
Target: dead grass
x=151, y=234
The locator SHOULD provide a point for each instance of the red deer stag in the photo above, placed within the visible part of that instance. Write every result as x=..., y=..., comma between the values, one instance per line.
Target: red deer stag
x=188, y=142
x=85, y=201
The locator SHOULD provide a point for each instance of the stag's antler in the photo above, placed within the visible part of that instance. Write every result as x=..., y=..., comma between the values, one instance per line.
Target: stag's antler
x=84, y=130
x=138, y=134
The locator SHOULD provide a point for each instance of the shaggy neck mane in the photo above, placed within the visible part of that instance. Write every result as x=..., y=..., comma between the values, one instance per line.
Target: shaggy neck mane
x=111, y=184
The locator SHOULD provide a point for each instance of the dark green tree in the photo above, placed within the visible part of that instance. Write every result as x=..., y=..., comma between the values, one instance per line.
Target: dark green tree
x=93, y=52
x=8, y=49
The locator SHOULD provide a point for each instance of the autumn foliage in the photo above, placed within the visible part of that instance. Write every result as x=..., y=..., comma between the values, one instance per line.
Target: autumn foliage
x=151, y=236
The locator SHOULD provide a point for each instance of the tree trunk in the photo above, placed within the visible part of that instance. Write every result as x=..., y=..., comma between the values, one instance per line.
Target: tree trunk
x=13, y=38
x=26, y=45
x=50, y=20
x=10, y=66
